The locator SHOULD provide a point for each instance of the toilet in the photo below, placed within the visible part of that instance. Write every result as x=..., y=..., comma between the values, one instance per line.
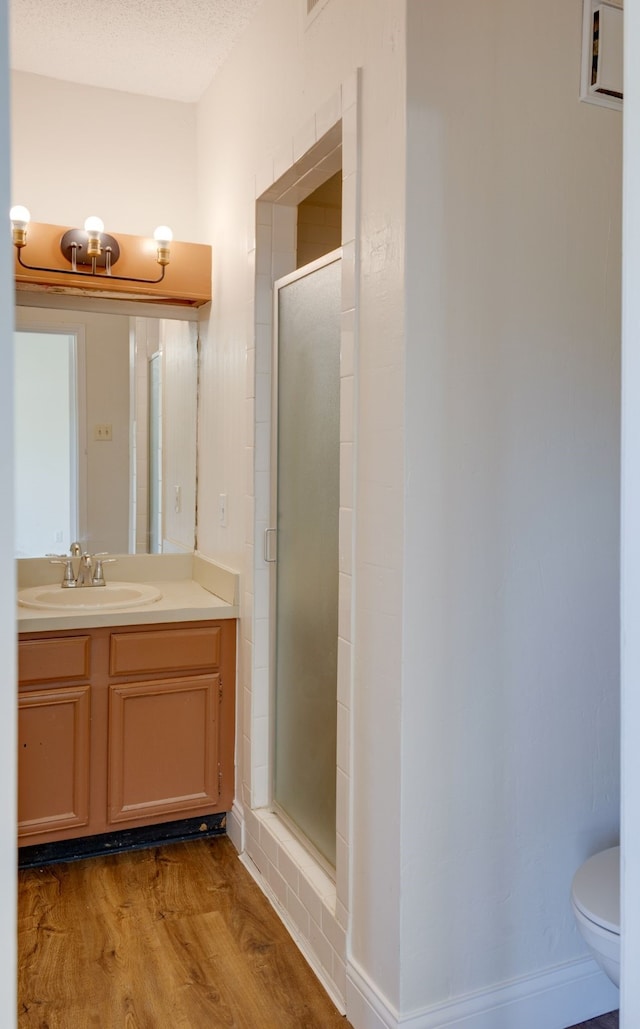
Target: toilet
x=595, y=897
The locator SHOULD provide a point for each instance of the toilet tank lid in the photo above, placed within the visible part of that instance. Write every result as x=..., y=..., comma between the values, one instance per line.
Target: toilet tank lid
x=596, y=889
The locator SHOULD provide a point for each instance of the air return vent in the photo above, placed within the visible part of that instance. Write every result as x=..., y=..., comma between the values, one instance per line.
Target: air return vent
x=602, y=51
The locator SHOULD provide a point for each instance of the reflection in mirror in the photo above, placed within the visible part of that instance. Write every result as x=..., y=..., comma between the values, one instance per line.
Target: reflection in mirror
x=106, y=416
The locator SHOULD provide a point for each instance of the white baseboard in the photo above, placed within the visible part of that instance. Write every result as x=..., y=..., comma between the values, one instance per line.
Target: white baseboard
x=235, y=826
x=552, y=1000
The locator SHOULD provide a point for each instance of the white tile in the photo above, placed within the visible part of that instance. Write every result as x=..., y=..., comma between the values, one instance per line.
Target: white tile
x=349, y=200
x=342, y=881
x=345, y=589
x=350, y=140
x=329, y=114
x=250, y=372
x=344, y=672
x=264, y=179
x=298, y=912
x=302, y=858
x=263, y=212
x=343, y=738
x=339, y=975
x=263, y=349
x=260, y=786
x=334, y=932
x=347, y=387
x=263, y=249
x=260, y=740
x=346, y=474
x=263, y=399
x=309, y=897
x=288, y=869
x=263, y=300
x=277, y=884
x=347, y=343
x=260, y=692
x=263, y=498
x=350, y=91
x=321, y=946
x=283, y=160
x=284, y=229
x=342, y=805
x=348, y=272
x=346, y=540
x=304, y=139
x=246, y=713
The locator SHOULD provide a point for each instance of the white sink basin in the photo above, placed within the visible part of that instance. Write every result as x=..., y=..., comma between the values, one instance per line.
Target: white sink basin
x=111, y=597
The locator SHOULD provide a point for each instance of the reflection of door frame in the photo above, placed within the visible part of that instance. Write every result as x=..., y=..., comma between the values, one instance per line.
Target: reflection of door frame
x=155, y=362
x=77, y=417
x=271, y=545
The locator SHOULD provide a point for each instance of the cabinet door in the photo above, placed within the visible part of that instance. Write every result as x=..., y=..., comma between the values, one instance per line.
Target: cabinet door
x=53, y=760
x=163, y=747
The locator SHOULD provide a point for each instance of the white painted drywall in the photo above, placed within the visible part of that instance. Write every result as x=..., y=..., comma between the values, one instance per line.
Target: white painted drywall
x=8, y=1005
x=77, y=151
x=528, y=624
x=269, y=100
x=631, y=529
x=511, y=675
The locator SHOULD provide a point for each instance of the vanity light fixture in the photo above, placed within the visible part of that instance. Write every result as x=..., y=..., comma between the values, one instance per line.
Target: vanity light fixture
x=90, y=251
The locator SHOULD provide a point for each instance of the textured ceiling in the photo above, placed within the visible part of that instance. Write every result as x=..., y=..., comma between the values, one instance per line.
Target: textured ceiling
x=164, y=48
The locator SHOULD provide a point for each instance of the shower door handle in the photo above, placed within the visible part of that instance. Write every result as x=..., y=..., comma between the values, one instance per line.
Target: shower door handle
x=270, y=547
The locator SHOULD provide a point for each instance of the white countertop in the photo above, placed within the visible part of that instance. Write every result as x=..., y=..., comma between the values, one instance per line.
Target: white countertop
x=187, y=594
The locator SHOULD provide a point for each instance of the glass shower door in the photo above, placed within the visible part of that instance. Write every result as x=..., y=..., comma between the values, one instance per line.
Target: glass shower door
x=306, y=619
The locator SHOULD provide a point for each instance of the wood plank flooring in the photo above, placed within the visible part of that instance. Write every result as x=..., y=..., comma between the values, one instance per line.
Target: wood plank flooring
x=172, y=937
x=609, y=1021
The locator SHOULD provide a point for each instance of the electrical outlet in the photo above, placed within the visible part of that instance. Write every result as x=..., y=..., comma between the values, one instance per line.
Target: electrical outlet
x=102, y=432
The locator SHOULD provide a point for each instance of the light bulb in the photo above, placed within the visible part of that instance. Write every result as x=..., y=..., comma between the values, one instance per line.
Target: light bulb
x=163, y=236
x=20, y=218
x=93, y=226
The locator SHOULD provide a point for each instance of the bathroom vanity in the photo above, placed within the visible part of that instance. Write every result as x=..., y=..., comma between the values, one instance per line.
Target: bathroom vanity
x=126, y=717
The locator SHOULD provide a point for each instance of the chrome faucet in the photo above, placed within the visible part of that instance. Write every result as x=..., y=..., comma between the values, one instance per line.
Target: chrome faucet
x=84, y=575
x=89, y=573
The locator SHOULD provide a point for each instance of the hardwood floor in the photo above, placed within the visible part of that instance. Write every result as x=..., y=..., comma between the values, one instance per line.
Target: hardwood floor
x=173, y=937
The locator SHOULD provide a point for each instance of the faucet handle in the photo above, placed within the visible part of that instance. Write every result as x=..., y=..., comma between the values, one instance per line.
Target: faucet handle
x=68, y=578
x=97, y=579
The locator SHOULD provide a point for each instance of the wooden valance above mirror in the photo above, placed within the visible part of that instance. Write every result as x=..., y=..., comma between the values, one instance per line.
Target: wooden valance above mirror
x=186, y=281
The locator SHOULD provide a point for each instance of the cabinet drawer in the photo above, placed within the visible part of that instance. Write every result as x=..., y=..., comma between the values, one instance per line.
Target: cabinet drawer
x=164, y=650
x=54, y=660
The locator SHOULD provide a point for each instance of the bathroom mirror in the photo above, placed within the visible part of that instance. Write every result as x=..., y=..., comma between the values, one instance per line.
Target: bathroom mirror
x=105, y=430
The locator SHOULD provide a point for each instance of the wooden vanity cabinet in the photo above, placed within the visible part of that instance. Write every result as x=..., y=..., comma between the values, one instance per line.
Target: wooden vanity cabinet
x=54, y=712
x=141, y=733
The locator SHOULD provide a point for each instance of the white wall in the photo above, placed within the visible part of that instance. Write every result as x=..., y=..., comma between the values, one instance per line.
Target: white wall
x=511, y=551
x=7, y=577
x=511, y=673
x=79, y=150
x=262, y=112
x=179, y=384
x=630, y=530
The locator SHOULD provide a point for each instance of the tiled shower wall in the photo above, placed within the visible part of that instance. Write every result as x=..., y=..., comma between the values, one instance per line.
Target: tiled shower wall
x=314, y=907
